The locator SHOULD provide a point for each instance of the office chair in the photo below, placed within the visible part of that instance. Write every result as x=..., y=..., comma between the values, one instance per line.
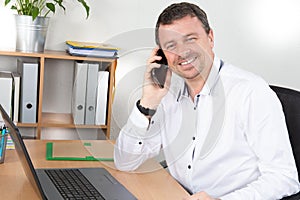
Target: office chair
x=290, y=100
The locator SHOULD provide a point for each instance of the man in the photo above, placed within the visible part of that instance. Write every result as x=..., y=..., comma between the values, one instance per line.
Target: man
x=222, y=129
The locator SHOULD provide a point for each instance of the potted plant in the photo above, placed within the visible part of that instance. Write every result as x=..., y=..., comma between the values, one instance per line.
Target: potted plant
x=32, y=21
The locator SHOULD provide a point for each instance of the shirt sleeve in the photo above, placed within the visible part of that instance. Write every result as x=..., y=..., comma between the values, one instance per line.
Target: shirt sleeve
x=138, y=141
x=267, y=135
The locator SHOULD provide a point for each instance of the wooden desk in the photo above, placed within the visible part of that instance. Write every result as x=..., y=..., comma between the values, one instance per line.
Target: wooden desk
x=149, y=182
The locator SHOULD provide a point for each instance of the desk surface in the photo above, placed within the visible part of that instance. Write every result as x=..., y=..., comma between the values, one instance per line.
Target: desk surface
x=148, y=182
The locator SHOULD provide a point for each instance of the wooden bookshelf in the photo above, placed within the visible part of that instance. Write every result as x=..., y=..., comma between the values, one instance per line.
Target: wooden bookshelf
x=63, y=120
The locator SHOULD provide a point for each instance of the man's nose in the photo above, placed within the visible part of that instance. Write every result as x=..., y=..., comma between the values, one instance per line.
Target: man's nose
x=183, y=51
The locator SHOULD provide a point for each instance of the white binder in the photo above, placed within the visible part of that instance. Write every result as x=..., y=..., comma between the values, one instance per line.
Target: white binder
x=79, y=93
x=91, y=93
x=16, y=95
x=6, y=83
x=28, y=70
x=101, y=107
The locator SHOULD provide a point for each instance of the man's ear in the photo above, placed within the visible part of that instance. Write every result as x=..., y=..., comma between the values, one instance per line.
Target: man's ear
x=211, y=38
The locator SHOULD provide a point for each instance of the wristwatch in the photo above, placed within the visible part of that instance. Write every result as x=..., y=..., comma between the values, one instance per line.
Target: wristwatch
x=145, y=111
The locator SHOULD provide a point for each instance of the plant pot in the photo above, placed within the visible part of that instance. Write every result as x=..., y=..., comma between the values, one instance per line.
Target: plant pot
x=31, y=35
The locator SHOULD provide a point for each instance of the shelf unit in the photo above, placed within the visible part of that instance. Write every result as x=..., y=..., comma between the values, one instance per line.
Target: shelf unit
x=63, y=120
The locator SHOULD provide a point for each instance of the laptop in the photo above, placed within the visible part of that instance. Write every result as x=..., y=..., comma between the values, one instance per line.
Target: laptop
x=96, y=183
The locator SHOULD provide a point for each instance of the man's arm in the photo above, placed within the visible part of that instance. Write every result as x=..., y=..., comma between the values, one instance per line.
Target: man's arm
x=137, y=142
x=139, y=139
x=267, y=135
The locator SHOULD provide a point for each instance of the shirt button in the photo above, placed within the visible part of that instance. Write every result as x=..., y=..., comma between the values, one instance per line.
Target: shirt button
x=194, y=138
x=140, y=143
x=152, y=122
x=189, y=166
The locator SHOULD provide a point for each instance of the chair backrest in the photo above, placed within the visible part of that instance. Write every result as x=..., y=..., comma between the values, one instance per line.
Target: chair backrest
x=290, y=100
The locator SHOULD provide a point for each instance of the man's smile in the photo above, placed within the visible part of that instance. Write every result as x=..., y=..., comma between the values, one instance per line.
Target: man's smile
x=187, y=61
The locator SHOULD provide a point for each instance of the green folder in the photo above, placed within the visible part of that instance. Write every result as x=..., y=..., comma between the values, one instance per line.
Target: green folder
x=97, y=150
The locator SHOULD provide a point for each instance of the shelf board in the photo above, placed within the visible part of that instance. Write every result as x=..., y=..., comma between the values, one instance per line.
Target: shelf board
x=27, y=125
x=18, y=53
x=63, y=120
x=54, y=55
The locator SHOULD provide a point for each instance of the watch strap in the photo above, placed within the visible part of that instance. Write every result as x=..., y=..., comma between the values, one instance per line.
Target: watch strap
x=143, y=110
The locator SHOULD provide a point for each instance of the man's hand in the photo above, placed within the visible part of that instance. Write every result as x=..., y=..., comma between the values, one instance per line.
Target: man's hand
x=152, y=93
x=200, y=196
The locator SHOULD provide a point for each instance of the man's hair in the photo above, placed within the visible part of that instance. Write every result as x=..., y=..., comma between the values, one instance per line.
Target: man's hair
x=178, y=11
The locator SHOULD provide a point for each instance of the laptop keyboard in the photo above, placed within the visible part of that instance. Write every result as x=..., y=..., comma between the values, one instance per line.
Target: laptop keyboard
x=72, y=184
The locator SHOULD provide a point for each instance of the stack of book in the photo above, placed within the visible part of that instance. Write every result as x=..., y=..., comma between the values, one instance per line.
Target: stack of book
x=91, y=49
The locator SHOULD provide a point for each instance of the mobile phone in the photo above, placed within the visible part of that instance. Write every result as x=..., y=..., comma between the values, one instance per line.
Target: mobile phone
x=159, y=74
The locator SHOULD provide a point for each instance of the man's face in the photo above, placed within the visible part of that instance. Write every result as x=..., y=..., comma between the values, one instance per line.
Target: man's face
x=188, y=47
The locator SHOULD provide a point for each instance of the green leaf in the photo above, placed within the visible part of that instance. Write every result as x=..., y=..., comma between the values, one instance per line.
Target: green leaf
x=6, y=2
x=13, y=7
x=51, y=7
x=59, y=2
x=87, y=8
x=35, y=13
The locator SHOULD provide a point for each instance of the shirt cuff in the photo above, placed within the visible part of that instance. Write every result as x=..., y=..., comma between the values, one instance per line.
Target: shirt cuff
x=138, y=119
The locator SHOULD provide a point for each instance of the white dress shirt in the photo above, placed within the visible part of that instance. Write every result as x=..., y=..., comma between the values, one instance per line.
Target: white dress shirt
x=231, y=141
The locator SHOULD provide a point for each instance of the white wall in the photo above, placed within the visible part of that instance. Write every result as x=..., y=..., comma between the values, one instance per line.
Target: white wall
x=262, y=36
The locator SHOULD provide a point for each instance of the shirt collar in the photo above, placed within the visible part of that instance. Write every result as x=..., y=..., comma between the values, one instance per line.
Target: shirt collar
x=209, y=83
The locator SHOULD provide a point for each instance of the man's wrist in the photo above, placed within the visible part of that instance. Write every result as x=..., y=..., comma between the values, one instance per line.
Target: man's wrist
x=144, y=110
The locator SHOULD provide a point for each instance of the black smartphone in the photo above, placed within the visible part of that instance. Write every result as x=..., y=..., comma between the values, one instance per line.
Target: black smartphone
x=159, y=74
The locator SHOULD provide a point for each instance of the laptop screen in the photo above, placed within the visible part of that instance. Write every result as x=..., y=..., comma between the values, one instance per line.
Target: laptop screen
x=22, y=153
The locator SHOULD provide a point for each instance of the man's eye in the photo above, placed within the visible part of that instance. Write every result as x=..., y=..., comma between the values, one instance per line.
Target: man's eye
x=170, y=46
x=191, y=39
